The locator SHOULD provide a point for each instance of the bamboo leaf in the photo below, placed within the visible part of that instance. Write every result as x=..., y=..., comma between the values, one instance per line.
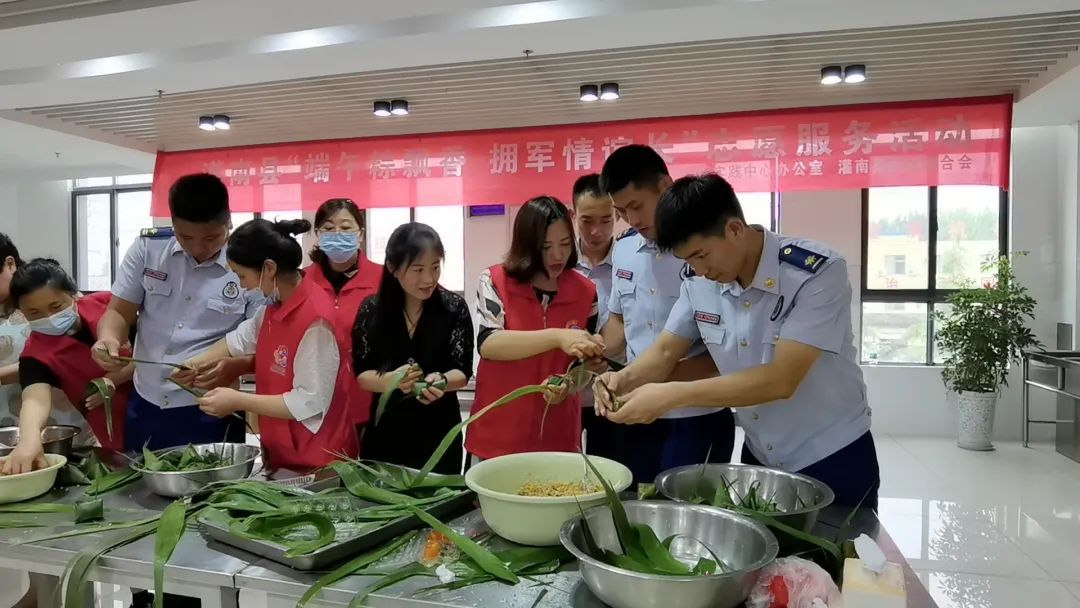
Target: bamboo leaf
x=360, y=561
x=657, y=555
x=89, y=529
x=361, y=489
x=112, y=481
x=198, y=393
x=77, y=570
x=37, y=508
x=384, y=398
x=483, y=558
x=623, y=530
x=405, y=572
x=169, y=530
x=274, y=527
x=448, y=440
x=100, y=385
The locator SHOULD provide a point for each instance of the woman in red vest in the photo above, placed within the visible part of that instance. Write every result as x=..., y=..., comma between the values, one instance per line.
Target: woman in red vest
x=536, y=316
x=57, y=355
x=303, y=386
x=341, y=270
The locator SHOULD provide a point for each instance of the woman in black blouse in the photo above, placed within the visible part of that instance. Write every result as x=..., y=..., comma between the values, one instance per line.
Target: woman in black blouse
x=413, y=320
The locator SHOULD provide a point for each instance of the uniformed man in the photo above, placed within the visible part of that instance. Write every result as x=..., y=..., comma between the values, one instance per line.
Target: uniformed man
x=775, y=314
x=594, y=219
x=176, y=282
x=644, y=288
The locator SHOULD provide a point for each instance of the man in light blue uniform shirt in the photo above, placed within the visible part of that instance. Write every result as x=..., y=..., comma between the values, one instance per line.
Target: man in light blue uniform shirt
x=644, y=289
x=177, y=284
x=594, y=219
x=775, y=314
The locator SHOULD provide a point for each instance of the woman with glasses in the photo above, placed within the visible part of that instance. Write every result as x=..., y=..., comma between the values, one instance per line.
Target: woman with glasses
x=341, y=270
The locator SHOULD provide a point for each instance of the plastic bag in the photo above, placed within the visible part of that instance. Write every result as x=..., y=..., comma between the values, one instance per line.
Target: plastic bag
x=792, y=582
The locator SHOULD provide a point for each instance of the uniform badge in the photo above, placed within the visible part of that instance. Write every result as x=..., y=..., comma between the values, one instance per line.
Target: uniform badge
x=802, y=258
x=623, y=273
x=706, y=317
x=155, y=274
x=777, y=310
x=231, y=290
x=687, y=271
x=281, y=360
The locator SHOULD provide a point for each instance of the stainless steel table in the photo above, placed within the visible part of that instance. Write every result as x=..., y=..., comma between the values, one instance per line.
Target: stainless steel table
x=283, y=586
x=195, y=570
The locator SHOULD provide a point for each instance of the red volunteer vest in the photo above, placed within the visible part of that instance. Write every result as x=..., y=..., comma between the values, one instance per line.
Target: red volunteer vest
x=70, y=360
x=346, y=304
x=288, y=442
x=515, y=428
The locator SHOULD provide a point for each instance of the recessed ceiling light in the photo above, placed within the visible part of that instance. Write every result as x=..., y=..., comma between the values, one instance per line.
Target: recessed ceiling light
x=382, y=108
x=609, y=91
x=206, y=123
x=590, y=92
x=832, y=74
x=854, y=74
x=221, y=122
x=399, y=107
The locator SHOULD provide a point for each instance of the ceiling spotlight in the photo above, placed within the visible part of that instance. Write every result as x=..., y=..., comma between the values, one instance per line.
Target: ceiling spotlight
x=831, y=74
x=221, y=122
x=399, y=107
x=382, y=108
x=590, y=92
x=854, y=74
x=609, y=91
x=206, y=123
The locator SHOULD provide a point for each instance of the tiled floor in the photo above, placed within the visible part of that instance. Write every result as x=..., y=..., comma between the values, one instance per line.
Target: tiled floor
x=985, y=530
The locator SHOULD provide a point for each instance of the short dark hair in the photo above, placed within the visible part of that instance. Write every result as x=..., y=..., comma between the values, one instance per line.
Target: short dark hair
x=38, y=273
x=526, y=257
x=201, y=198
x=9, y=250
x=329, y=208
x=634, y=164
x=693, y=205
x=259, y=240
x=587, y=185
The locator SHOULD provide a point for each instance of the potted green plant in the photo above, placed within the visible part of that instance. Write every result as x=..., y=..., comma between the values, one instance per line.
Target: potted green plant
x=983, y=332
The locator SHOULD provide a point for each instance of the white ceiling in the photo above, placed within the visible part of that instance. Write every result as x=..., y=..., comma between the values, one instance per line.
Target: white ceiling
x=179, y=46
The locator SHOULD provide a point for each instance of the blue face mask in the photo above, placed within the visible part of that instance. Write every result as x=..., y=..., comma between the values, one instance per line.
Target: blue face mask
x=58, y=324
x=339, y=247
x=274, y=297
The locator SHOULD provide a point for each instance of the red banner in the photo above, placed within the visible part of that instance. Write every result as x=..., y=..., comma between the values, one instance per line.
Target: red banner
x=963, y=141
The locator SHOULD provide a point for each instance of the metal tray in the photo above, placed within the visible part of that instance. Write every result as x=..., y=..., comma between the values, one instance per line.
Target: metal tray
x=340, y=550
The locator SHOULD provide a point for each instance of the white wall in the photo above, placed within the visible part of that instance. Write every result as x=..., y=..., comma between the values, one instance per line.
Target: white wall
x=37, y=216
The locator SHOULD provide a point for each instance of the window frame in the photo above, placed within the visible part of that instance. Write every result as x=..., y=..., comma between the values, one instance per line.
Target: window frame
x=931, y=295
x=113, y=191
x=412, y=218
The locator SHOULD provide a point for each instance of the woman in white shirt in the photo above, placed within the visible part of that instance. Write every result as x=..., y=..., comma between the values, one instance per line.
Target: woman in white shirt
x=302, y=384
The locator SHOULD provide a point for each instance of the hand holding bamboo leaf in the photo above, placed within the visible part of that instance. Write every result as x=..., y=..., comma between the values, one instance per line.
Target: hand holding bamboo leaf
x=100, y=392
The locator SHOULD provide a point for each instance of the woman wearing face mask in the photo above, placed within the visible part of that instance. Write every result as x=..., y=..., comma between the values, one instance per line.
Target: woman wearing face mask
x=341, y=270
x=536, y=317
x=57, y=355
x=13, y=334
x=414, y=320
x=302, y=385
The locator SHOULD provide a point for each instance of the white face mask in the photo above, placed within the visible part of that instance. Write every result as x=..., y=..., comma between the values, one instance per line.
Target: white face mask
x=57, y=324
x=269, y=298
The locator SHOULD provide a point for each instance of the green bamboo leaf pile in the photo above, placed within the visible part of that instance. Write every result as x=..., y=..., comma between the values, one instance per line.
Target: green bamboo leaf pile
x=277, y=527
x=182, y=460
x=100, y=385
x=640, y=550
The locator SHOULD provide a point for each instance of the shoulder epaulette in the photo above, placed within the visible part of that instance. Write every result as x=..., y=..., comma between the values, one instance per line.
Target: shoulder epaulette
x=626, y=233
x=802, y=258
x=156, y=233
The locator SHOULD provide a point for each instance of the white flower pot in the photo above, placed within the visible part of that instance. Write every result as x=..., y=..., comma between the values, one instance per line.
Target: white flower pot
x=975, y=423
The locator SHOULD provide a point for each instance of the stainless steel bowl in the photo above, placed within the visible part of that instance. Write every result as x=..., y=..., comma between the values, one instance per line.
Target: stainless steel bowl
x=799, y=498
x=55, y=439
x=176, y=484
x=745, y=545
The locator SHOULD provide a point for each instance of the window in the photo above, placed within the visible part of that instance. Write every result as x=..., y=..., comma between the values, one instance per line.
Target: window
x=920, y=245
x=107, y=214
x=448, y=221
x=759, y=208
